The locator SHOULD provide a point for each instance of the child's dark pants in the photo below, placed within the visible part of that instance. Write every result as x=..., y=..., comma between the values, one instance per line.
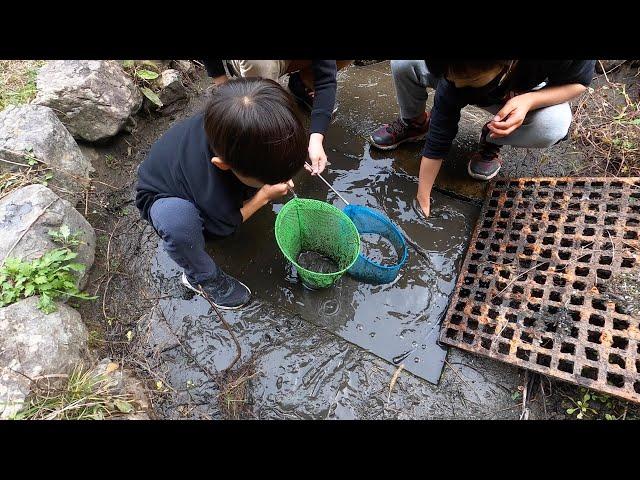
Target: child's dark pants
x=179, y=224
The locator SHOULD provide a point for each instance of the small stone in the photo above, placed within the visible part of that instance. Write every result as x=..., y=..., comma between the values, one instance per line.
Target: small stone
x=172, y=87
x=186, y=67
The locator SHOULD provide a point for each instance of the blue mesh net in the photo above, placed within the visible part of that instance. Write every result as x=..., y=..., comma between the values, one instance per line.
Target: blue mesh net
x=366, y=221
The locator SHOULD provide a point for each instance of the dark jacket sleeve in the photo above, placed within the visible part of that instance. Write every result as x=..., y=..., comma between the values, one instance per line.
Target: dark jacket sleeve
x=325, y=86
x=573, y=71
x=443, y=125
x=215, y=67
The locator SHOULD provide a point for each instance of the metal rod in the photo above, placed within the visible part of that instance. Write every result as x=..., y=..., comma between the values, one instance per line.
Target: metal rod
x=329, y=185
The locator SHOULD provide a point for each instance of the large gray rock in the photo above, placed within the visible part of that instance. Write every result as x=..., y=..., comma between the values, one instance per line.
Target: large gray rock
x=36, y=130
x=172, y=87
x=33, y=344
x=95, y=99
x=27, y=215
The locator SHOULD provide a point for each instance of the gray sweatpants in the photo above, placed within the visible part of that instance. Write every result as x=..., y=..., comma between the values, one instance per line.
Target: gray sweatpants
x=541, y=128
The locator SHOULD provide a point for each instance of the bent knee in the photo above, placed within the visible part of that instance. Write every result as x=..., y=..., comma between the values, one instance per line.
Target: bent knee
x=550, y=125
x=176, y=220
x=405, y=67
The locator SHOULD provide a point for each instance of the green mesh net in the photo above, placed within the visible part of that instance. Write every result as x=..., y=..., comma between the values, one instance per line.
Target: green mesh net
x=311, y=225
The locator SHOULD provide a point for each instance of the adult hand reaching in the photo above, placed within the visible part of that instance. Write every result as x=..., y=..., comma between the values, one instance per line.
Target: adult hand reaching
x=317, y=156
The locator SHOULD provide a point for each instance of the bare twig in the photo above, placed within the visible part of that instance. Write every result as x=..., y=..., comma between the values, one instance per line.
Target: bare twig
x=4, y=160
x=459, y=375
x=604, y=70
x=515, y=279
x=212, y=375
x=226, y=326
x=525, y=410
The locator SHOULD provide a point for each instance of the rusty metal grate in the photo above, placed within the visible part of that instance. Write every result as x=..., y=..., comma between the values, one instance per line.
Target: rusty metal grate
x=540, y=284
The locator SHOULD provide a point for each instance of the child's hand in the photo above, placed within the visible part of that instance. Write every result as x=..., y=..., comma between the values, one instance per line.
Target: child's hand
x=510, y=116
x=316, y=154
x=274, y=192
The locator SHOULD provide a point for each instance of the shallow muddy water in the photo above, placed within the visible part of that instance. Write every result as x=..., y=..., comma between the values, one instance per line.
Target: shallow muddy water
x=396, y=320
x=331, y=353
x=378, y=249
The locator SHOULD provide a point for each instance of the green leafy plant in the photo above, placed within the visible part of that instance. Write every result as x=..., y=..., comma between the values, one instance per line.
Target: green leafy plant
x=30, y=157
x=145, y=78
x=44, y=180
x=151, y=95
x=51, y=276
x=65, y=237
x=582, y=407
x=147, y=74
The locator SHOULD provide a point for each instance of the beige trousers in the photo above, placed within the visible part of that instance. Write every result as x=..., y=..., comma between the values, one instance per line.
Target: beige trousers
x=273, y=69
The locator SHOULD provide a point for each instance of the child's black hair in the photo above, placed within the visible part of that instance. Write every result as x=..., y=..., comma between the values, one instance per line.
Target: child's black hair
x=441, y=68
x=255, y=126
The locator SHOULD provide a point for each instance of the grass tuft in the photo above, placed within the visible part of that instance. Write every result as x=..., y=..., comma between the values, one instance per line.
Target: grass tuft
x=18, y=81
x=82, y=395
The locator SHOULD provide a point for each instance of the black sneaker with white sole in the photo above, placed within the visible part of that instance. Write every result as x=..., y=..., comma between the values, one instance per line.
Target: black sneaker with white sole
x=225, y=292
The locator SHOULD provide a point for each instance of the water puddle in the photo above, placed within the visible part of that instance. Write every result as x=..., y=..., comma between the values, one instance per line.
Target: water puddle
x=378, y=249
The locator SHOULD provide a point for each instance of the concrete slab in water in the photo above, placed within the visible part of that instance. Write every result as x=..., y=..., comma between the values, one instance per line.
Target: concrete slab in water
x=389, y=320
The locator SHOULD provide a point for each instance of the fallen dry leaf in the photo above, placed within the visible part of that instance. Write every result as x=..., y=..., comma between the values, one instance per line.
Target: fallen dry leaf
x=394, y=378
x=112, y=367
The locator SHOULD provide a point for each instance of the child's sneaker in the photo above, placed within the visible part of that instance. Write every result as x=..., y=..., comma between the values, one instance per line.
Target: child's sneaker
x=225, y=292
x=389, y=136
x=486, y=162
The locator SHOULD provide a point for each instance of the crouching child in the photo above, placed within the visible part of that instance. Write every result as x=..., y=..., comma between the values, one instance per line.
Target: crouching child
x=211, y=172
